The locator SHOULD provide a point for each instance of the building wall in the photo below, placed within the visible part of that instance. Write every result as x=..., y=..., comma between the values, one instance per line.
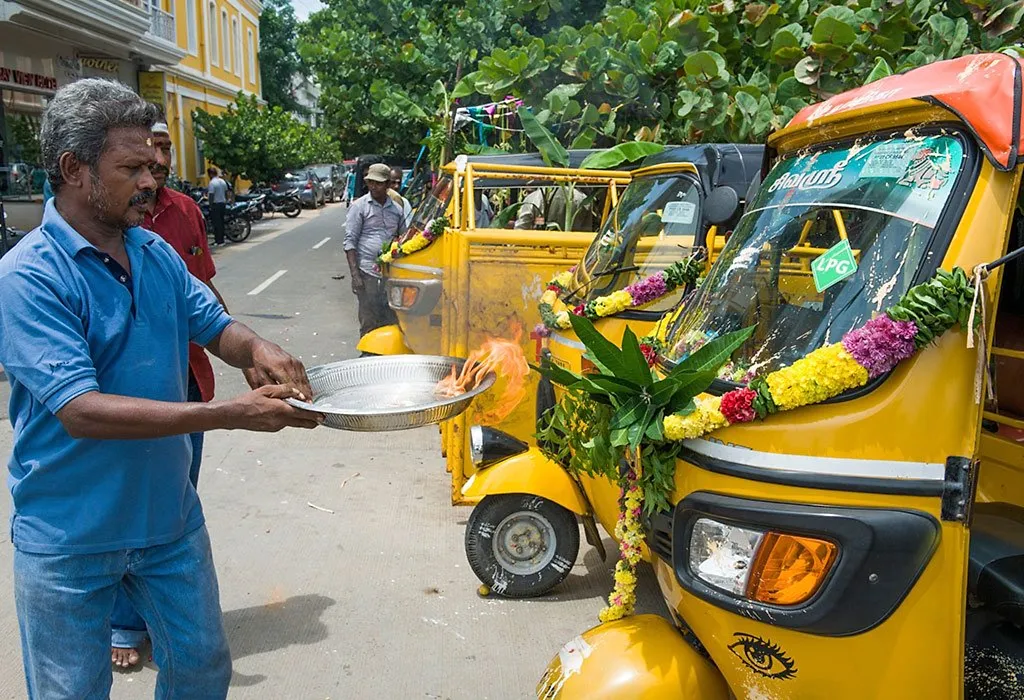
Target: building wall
x=206, y=78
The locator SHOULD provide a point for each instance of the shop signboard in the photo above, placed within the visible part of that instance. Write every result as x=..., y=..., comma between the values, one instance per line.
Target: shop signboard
x=152, y=87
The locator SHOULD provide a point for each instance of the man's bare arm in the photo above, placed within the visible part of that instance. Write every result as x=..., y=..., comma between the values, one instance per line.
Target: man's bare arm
x=240, y=347
x=113, y=417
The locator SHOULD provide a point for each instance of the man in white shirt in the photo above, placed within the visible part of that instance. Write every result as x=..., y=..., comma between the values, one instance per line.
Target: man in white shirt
x=217, y=193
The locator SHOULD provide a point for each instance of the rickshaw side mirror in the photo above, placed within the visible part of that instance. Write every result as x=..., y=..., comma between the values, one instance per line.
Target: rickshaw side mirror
x=721, y=205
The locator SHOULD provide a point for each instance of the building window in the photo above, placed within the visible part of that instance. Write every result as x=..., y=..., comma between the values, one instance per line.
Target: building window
x=190, y=25
x=252, y=57
x=211, y=26
x=225, y=39
x=236, y=42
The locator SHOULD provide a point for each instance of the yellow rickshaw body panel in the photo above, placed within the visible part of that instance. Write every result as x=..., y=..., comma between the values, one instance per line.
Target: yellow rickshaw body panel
x=386, y=340
x=531, y=473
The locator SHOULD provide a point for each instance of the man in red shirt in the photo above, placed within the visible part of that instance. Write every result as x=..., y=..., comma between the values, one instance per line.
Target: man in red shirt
x=177, y=219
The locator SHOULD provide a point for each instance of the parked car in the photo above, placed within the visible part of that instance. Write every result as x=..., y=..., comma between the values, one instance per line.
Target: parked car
x=311, y=189
x=333, y=179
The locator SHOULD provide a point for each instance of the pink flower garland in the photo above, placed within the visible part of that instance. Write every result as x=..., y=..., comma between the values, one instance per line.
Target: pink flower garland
x=649, y=289
x=881, y=344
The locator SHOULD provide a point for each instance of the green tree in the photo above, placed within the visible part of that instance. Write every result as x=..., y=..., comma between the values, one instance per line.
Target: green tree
x=687, y=70
x=25, y=135
x=260, y=144
x=386, y=68
x=279, y=57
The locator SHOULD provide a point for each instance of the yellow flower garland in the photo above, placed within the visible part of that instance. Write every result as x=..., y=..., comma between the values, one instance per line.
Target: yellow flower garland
x=630, y=534
x=824, y=373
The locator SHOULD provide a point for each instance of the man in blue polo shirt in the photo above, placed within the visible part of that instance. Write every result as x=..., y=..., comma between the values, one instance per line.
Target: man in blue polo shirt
x=96, y=315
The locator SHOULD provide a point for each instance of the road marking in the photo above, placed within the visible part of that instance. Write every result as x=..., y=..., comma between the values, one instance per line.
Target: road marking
x=321, y=243
x=267, y=282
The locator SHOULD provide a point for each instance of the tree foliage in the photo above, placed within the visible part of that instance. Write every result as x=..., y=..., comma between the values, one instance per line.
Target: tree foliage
x=279, y=57
x=687, y=70
x=386, y=67
x=259, y=144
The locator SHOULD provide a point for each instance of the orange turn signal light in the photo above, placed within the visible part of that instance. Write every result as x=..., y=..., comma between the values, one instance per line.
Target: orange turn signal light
x=587, y=367
x=409, y=295
x=788, y=569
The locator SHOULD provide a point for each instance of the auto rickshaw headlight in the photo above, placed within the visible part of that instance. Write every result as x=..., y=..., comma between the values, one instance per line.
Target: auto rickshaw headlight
x=769, y=567
x=402, y=296
x=488, y=445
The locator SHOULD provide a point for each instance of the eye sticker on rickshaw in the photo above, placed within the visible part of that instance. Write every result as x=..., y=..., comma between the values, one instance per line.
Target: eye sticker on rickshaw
x=678, y=213
x=762, y=656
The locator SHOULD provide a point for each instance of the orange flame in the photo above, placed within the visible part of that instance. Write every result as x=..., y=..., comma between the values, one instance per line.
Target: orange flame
x=507, y=360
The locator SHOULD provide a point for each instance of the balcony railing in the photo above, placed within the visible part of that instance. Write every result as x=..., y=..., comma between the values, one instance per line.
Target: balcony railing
x=134, y=3
x=163, y=25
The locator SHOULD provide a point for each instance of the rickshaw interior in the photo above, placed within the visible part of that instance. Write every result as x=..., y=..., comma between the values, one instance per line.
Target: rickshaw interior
x=659, y=219
x=857, y=193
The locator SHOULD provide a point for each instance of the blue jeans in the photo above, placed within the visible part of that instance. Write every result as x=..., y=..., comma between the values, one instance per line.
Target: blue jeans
x=128, y=629
x=64, y=602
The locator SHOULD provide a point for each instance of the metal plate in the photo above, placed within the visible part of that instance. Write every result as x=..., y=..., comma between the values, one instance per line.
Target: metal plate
x=373, y=394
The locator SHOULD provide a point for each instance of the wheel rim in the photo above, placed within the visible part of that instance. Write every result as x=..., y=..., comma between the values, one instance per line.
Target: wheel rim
x=524, y=543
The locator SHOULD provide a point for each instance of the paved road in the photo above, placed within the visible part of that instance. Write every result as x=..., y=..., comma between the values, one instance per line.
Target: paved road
x=374, y=599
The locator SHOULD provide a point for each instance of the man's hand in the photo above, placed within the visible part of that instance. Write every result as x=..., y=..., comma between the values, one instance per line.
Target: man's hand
x=272, y=365
x=265, y=410
x=250, y=378
x=357, y=283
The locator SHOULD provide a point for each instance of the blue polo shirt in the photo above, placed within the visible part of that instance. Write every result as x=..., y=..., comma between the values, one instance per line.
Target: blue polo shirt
x=68, y=326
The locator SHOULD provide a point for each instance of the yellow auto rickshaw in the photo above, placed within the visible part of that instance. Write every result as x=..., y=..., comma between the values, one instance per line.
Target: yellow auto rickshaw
x=522, y=537
x=869, y=544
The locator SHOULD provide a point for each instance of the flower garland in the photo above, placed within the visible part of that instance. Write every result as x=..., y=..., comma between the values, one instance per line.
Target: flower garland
x=630, y=534
x=554, y=313
x=433, y=230
x=923, y=314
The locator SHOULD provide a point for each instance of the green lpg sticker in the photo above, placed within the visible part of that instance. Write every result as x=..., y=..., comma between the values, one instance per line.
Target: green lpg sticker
x=834, y=265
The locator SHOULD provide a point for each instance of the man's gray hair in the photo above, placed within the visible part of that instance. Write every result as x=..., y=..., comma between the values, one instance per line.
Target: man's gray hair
x=81, y=115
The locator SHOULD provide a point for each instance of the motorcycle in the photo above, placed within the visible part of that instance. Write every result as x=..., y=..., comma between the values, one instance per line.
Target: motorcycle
x=256, y=204
x=286, y=202
x=237, y=221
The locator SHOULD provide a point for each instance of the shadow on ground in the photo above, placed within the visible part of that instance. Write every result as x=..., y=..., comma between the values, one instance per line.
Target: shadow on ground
x=265, y=628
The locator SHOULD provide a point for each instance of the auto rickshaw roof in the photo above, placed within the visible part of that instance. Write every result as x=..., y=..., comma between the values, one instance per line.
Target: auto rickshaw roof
x=533, y=160
x=982, y=90
x=734, y=164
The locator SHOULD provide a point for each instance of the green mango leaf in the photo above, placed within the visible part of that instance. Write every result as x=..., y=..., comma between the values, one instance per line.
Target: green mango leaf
x=620, y=437
x=623, y=153
x=655, y=432
x=636, y=431
x=557, y=374
x=611, y=384
x=633, y=358
x=836, y=24
x=881, y=70
x=629, y=413
x=715, y=353
x=603, y=350
x=550, y=150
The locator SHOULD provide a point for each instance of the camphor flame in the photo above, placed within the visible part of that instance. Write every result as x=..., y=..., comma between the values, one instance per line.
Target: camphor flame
x=503, y=357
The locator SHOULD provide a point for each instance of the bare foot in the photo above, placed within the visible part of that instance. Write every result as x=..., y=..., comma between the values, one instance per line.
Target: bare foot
x=124, y=658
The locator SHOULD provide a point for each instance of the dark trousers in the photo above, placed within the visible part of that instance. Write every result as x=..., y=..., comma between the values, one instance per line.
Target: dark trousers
x=374, y=311
x=217, y=217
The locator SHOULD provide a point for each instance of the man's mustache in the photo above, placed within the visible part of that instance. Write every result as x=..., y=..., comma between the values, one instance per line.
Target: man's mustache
x=141, y=198
x=160, y=170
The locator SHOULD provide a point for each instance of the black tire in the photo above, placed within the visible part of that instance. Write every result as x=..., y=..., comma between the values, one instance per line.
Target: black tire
x=554, y=541
x=237, y=229
x=292, y=209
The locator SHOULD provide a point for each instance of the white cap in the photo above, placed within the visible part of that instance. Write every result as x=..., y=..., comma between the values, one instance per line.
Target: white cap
x=161, y=128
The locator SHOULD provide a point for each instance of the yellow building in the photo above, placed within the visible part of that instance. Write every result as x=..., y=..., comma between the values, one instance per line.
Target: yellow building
x=221, y=40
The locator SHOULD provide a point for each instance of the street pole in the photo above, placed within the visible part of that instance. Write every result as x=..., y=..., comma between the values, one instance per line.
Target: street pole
x=4, y=177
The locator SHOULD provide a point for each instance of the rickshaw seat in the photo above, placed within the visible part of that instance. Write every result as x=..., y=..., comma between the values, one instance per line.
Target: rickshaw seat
x=995, y=573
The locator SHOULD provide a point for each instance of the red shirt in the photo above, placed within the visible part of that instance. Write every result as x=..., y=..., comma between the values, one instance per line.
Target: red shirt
x=178, y=220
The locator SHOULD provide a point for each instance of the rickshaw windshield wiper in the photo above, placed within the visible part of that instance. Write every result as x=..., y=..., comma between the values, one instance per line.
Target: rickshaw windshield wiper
x=594, y=278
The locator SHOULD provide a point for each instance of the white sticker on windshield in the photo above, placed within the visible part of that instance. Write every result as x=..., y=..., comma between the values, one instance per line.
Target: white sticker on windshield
x=678, y=213
x=886, y=160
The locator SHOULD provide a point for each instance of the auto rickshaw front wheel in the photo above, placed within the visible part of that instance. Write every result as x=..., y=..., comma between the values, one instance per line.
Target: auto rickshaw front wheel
x=520, y=545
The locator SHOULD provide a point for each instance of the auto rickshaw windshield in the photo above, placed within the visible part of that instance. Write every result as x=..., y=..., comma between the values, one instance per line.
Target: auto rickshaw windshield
x=654, y=225
x=430, y=208
x=833, y=237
